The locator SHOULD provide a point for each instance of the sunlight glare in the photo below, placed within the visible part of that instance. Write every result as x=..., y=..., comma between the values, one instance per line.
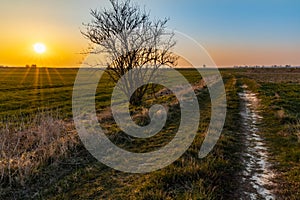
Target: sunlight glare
x=39, y=48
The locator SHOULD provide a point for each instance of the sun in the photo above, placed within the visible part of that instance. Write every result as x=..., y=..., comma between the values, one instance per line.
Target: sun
x=39, y=48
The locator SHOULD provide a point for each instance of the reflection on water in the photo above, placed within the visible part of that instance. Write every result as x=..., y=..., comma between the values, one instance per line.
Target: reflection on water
x=257, y=175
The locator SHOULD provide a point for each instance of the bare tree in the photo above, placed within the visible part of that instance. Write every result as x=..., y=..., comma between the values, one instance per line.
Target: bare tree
x=131, y=40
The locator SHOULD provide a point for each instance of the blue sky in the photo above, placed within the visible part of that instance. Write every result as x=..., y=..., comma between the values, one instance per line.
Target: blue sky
x=269, y=27
x=232, y=31
x=248, y=21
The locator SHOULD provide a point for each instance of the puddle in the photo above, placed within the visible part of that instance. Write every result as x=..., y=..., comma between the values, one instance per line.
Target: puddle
x=256, y=178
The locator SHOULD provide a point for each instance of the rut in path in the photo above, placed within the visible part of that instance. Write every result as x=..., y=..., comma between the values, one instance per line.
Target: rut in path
x=256, y=178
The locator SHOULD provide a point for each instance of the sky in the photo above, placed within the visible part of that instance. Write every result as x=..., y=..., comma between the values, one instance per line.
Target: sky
x=234, y=32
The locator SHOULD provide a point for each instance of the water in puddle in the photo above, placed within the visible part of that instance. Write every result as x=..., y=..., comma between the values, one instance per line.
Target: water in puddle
x=256, y=178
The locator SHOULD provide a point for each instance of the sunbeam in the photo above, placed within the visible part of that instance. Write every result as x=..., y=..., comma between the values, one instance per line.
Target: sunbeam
x=48, y=76
x=41, y=83
x=25, y=76
x=36, y=81
x=59, y=75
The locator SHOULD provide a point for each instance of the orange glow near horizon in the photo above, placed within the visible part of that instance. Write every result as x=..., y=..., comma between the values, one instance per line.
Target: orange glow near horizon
x=225, y=56
x=64, y=48
x=54, y=55
x=16, y=51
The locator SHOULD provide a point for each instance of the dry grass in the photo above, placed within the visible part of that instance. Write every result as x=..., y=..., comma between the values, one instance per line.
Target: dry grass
x=280, y=114
x=294, y=128
x=23, y=148
x=274, y=75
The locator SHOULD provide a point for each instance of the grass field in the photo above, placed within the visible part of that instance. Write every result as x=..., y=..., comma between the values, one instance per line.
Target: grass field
x=279, y=92
x=43, y=158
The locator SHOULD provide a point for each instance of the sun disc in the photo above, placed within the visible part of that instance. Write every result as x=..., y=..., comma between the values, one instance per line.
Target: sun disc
x=39, y=48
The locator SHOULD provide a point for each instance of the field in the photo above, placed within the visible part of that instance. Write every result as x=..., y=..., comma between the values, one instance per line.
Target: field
x=43, y=158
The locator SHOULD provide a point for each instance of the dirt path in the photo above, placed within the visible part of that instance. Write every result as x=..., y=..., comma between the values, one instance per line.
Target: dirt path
x=256, y=177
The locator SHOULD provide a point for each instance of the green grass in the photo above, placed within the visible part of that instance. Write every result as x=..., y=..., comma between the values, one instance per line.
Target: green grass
x=188, y=177
x=24, y=93
x=281, y=115
x=280, y=108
